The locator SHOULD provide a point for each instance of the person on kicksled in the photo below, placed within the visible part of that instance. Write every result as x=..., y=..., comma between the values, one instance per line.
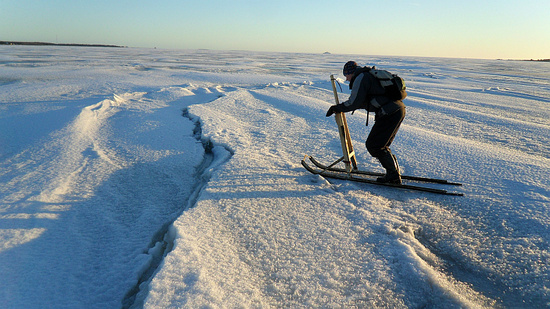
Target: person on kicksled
x=367, y=93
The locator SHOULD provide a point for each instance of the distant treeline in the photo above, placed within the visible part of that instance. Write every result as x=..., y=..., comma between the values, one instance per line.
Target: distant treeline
x=56, y=44
x=545, y=60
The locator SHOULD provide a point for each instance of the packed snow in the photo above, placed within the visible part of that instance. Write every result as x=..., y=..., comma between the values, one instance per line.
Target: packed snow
x=172, y=179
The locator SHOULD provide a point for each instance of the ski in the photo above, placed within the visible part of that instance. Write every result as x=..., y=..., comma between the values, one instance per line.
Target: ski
x=369, y=173
x=356, y=177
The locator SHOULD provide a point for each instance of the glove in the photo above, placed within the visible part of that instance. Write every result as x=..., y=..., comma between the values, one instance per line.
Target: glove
x=332, y=110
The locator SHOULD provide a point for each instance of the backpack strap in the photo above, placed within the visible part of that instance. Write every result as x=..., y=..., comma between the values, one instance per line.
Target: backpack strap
x=357, y=72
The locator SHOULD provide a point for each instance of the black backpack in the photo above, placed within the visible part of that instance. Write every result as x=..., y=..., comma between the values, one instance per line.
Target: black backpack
x=393, y=85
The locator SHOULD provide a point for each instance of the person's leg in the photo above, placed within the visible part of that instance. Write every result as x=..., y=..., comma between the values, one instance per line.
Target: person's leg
x=378, y=144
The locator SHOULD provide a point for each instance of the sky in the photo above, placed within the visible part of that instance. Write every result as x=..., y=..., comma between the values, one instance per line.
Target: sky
x=484, y=29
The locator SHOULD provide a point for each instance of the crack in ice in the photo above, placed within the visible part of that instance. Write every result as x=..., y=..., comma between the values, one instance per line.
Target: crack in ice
x=162, y=242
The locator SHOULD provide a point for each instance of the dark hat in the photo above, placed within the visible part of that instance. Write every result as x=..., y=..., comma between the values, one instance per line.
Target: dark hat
x=349, y=67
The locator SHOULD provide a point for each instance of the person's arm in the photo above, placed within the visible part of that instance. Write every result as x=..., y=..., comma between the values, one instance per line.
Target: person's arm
x=356, y=100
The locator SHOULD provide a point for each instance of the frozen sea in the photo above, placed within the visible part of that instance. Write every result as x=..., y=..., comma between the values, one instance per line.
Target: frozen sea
x=149, y=178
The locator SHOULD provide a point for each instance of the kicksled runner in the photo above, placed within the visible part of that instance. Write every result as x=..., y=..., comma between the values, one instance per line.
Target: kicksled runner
x=352, y=173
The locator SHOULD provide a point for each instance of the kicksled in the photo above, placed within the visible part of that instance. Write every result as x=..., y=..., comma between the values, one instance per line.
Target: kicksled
x=351, y=171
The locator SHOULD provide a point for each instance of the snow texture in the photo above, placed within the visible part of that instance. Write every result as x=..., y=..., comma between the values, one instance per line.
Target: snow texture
x=172, y=179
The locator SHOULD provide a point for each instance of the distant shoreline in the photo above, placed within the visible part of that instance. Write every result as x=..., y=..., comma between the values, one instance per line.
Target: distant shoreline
x=534, y=60
x=58, y=44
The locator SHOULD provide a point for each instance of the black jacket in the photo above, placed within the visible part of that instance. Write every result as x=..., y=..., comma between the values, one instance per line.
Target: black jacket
x=367, y=93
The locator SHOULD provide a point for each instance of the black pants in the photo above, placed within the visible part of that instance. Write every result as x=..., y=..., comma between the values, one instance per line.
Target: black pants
x=383, y=132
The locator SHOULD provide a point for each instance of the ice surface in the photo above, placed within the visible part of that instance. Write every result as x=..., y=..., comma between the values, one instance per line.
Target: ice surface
x=163, y=178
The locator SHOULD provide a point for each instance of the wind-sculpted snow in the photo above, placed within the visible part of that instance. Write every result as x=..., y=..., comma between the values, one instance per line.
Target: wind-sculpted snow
x=110, y=197
x=82, y=203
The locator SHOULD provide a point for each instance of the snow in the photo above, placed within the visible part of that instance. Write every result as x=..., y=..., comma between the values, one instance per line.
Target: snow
x=172, y=179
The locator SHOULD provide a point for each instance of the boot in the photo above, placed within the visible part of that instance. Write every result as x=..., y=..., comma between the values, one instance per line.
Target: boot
x=389, y=162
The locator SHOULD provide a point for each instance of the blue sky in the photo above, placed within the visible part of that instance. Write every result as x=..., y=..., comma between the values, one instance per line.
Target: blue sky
x=460, y=28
